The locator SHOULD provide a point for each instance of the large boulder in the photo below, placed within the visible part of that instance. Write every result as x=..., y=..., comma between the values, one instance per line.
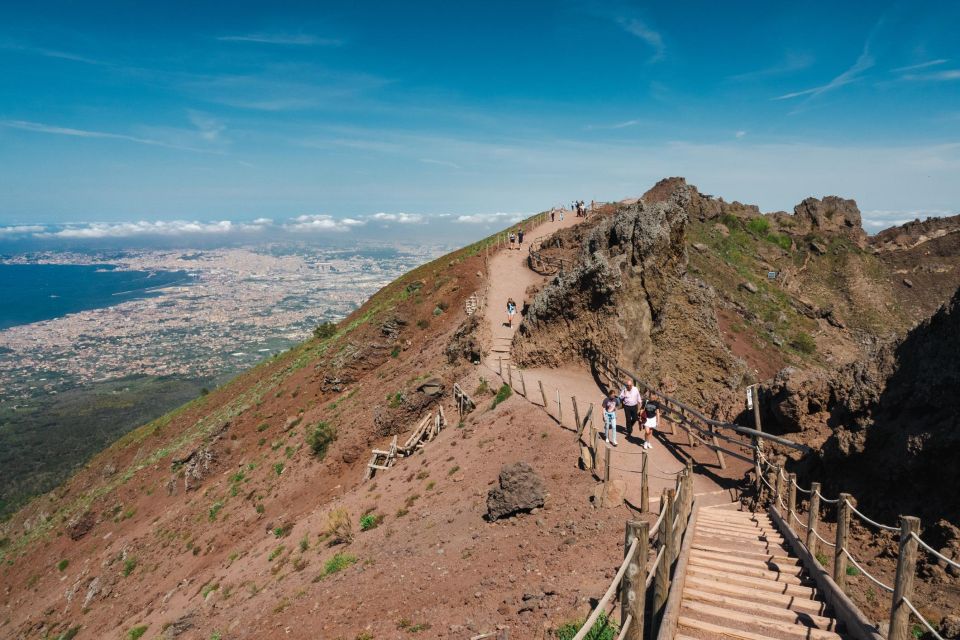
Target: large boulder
x=521, y=490
x=832, y=215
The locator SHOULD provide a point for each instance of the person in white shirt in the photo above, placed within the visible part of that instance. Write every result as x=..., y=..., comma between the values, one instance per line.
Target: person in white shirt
x=631, y=399
x=651, y=420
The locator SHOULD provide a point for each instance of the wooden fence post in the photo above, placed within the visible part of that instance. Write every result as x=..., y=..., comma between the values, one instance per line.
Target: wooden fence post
x=791, y=498
x=632, y=592
x=523, y=384
x=689, y=502
x=843, y=526
x=813, y=517
x=903, y=587
x=510, y=375
x=662, y=580
x=543, y=394
x=776, y=487
x=716, y=443
x=559, y=409
x=644, y=485
x=500, y=360
x=594, y=436
x=576, y=415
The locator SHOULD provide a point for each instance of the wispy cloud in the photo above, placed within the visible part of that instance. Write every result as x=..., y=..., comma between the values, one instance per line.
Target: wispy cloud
x=864, y=61
x=740, y=134
x=639, y=28
x=209, y=127
x=922, y=65
x=288, y=39
x=98, y=230
x=938, y=76
x=21, y=229
x=50, y=53
x=39, y=127
x=442, y=163
x=879, y=219
x=792, y=63
x=616, y=125
x=490, y=218
x=322, y=222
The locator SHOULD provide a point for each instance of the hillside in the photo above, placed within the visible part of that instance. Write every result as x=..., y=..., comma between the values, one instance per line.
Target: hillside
x=244, y=513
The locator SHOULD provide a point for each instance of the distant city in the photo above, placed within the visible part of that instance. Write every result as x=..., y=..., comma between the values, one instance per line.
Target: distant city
x=241, y=305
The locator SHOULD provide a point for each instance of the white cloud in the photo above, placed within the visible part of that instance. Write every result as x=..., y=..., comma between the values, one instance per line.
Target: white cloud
x=442, y=163
x=880, y=219
x=922, y=65
x=322, y=222
x=209, y=128
x=640, y=29
x=97, y=230
x=303, y=40
x=938, y=76
x=740, y=134
x=263, y=221
x=39, y=127
x=402, y=218
x=21, y=229
x=490, y=218
x=864, y=61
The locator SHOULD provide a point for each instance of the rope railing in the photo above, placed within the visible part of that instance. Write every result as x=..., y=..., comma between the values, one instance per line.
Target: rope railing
x=860, y=568
x=922, y=619
x=885, y=527
x=611, y=590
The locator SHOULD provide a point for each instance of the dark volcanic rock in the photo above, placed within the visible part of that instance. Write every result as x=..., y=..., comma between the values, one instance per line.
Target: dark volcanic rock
x=521, y=490
x=829, y=216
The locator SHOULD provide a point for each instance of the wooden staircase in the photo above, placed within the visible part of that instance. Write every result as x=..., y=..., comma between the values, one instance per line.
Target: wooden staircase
x=743, y=582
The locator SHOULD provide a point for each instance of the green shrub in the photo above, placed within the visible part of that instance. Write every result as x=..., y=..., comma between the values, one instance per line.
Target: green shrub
x=137, y=632
x=69, y=634
x=62, y=565
x=422, y=323
x=283, y=530
x=276, y=552
x=395, y=400
x=370, y=521
x=803, y=343
x=278, y=468
x=395, y=353
x=852, y=570
x=603, y=629
x=325, y=330
x=214, y=510
x=759, y=226
x=822, y=558
x=128, y=566
x=320, y=438
x=781, y=240
x=504, y=393
x=338, y=562
x=263, y=426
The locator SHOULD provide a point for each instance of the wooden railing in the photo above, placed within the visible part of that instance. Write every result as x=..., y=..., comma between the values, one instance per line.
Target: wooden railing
x=641, y=586
x=543, y=264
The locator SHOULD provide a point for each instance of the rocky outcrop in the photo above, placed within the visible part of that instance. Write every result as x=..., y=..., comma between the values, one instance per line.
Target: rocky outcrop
x=697, y=205
x=892, y=419
x=832, y=215
x=914, y=233
x=521, y=490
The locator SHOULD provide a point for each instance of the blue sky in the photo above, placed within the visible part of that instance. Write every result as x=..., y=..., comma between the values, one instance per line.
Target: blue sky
x=133, y=114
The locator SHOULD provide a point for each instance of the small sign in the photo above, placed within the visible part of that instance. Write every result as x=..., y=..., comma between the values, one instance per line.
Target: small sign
x=749, y=397
x=772, y=275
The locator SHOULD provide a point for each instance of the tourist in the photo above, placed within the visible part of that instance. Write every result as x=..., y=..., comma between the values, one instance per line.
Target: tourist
x=519, y=238
x=513, y=240
x=561, y=215
x=609, y=405
x=511, y=311
x=630, y=397
x=651, y=420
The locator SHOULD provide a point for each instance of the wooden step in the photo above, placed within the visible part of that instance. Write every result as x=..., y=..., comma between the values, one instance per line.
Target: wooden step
x=741, y=570
x=758, y=536
x=719, y=631
x=774, y=586
x=739, y=533
x=746, y=524
x=736, y=544
x=806, y=605
x=767, y=610
x=750, y=563
x=784, y=558
x=755, y=622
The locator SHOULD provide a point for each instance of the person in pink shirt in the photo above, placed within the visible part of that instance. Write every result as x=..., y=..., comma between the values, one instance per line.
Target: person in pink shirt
x=631, y=400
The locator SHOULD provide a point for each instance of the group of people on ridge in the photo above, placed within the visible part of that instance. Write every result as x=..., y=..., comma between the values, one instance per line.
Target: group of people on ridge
x=516, y=239
x=634, y=410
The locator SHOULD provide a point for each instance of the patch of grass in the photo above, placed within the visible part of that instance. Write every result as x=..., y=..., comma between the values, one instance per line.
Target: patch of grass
x=431, y=485
x=214, y=510
x=325, y=330
x=263, y=426
x=337, y=563
x=137, y=632
x=803, y=343
x=822, y=558
x=603, y=629
x=395, y=353
x=423, y=323
x=402, y=512
x=208, y=588
x=260, y=508
x=276, y=552
x=129, y=565
x=339, y=529
x=483, y=388
x=320, y=438
x=504, y=393
x=453, y=470
x=395, y=400
x=69, y=634
x=62, y=565
x=278, y=468
x=852, y=570
x=759, y=226
x=304, y=543
x=283, y=530
x=370, y=521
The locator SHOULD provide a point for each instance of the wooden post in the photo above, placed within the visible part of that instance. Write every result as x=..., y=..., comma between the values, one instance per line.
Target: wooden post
x=776, y=488
x=523, y=384
x=756, y=412
x=843, y=526
x=644, y=485
x=593, y=446
x=690, y=437
x=903, y=587
x=632, y=586
x=720, y=460
x=606, y=467
x=813, y=517
x=510, y=375
x=500, y=360
x=791, y=498
x=576, y=415
x=662, y=580
x=689, y=506
x=543, y=394
x=559, y=409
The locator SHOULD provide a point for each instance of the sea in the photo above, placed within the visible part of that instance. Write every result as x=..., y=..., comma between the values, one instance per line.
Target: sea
x=35, y=292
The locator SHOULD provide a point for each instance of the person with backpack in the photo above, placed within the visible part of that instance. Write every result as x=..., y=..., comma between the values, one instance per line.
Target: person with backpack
x=520, y=238
x=650, y=418
x=609, y=406
x=511, y=311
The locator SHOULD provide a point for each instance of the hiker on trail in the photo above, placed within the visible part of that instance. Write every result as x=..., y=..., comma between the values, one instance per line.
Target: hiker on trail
x=511, y=311
x=609, y=405
x=519, y=237
x=630, y=397
x=650, y=417
x=513, y=240
x=552, y=214
x=561, y=215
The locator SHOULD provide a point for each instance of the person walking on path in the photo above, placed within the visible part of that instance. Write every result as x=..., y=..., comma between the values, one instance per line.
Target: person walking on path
x=650, y=417
x=513, y=240
x=609, y=405
x=553, y=214
x=520, y=238
x=511, y=311
x=630, y=397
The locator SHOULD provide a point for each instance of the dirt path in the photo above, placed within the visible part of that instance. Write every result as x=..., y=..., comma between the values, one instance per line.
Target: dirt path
x=510, y=277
